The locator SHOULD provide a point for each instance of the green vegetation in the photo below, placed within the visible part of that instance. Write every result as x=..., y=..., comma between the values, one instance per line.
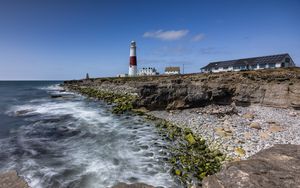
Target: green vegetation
x=190, y=156
x=122, y=102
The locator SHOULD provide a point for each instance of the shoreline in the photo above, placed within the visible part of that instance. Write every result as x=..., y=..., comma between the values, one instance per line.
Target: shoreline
x=191, y=157
x=239, y=114
x=238, y=131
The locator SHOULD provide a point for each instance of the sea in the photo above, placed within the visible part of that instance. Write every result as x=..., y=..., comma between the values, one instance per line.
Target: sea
x=76, y=142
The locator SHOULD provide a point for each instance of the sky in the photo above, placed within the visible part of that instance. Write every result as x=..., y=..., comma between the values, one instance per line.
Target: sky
x=65, y=39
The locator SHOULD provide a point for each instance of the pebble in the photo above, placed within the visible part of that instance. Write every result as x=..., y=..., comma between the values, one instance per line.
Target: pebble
x=255, y=125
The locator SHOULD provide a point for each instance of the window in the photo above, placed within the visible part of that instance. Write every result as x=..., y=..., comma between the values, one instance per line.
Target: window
x=225, y=67
x=236, y=67
x=216, y=68
x=243, y=67
x=272, y=65
x=263, y=65
x=287, y=60
x=253, y=66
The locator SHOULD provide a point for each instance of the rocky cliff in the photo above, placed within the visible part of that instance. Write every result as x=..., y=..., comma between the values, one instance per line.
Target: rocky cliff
x=277, y=88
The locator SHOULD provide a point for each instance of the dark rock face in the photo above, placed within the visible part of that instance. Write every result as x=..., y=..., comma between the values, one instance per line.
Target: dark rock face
x=276, y=167
x=135, y=185
x=277, y=88
x=12, y=180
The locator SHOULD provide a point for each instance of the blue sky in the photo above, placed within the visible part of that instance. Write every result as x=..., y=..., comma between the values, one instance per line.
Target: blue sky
x=58, y=40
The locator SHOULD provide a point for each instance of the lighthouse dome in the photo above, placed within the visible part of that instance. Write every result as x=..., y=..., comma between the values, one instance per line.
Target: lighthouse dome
x=132, y=43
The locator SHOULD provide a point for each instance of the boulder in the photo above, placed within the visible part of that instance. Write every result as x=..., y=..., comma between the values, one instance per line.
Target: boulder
x=276, y=167
x=12, y=180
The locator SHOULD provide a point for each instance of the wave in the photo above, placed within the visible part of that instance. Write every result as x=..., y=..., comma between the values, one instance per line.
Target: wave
x=55, y=87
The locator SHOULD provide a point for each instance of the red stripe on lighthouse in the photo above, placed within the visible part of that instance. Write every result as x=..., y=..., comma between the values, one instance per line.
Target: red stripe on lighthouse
x=132, y=61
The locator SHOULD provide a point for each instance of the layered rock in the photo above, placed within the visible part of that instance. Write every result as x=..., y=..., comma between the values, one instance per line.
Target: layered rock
x=276, y=167
x=277, y=88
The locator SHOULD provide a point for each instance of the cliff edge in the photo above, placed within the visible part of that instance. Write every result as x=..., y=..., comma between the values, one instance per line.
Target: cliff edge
x=276, y=88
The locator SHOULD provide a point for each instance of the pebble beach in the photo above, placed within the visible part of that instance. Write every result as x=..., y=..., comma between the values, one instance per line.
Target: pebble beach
x=239, y=132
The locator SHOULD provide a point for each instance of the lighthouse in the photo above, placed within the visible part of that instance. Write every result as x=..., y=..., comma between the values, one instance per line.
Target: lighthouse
x=132, y=61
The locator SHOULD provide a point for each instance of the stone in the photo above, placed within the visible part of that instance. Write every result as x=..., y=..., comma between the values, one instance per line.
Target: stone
x=220, y=131
x=190, y=138
x=276, y=167
x=22, y=112
x=293, y=114
x=247, y=135
x=135, y=185
x=177, y=172
x=240, y=151
x=12, y=180
x=177, y=104
x=248, y=116
x=264, y=135
x=227, y=130
x=255, y=125
x=275, y=128
x=140, y=111
x=226, y=122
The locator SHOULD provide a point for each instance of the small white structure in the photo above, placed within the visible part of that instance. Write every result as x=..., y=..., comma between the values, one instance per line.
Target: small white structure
x=149, y=71
x=255, y=63
x=132, y=61
x=172, y=70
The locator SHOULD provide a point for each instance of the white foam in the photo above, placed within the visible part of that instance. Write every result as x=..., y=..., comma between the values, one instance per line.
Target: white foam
x=76, y=109
x=54, y=87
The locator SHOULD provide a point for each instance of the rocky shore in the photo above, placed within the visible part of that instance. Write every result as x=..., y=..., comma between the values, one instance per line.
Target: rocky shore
x=240, y=114
x=276, y=167
x=276, y=88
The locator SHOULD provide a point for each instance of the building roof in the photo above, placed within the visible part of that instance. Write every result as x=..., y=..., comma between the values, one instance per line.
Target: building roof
x=247, y=61
x=171, y=69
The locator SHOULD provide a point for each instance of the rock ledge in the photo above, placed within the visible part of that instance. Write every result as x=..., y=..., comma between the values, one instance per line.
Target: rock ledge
x=276, y=167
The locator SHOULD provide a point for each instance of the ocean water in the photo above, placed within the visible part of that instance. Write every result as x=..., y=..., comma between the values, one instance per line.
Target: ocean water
x=74, y=141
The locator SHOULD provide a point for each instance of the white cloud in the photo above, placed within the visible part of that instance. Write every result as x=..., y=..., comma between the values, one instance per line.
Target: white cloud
x=198, y=37
x=166, y=35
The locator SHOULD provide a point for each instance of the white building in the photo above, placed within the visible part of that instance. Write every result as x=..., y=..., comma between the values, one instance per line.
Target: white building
x=149, y=71
x=255, y=63
x=172, y=70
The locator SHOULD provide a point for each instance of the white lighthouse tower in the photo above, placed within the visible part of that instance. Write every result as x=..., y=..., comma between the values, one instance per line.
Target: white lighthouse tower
x=132, y=61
